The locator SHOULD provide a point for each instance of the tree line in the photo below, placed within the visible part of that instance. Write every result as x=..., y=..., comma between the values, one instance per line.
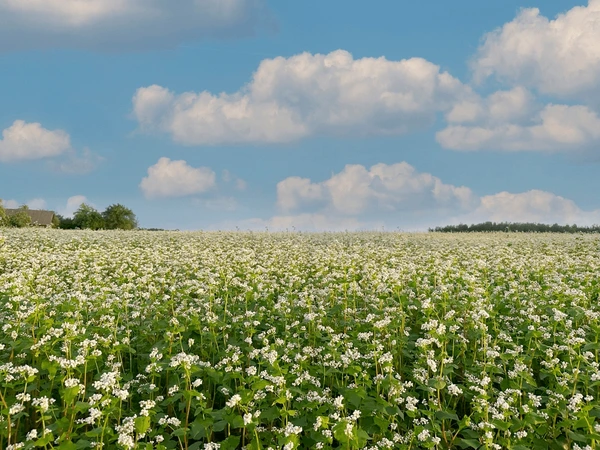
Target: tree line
x=526, y=227
x=114, y=217
x=19, y=220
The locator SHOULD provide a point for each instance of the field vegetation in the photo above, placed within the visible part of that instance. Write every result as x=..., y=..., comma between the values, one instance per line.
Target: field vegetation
x=164, y=340
x=510, y=227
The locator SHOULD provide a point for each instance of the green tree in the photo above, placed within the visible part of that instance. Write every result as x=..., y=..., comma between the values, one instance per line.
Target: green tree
x=65, y=223
x=20, y=219
x=56, y=221
x=88, y=218
x=118, y=217
x=3, y=216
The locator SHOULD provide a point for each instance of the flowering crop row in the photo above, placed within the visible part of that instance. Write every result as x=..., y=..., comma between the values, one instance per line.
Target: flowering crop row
x=255, y=340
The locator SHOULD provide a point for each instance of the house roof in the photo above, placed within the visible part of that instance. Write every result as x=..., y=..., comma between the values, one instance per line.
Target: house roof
x=38, y=216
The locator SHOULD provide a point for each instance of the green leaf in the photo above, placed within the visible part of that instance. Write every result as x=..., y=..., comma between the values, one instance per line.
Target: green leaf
x=468, y=443
x=446, y=415
x=382, y=424
x=81, y=406
x=540, y=444
x=142, y=424
x=95, y=432
x=534, y=419
x=437, y=383
x=270, y=414
x=180, y=432
x=220, y=425
x=51, y=367
x=281, y=401
x=339, y=432
x=501, y=425
x=199, y=428
x=231, y=443
x=67, y=445
x=576, y=436
x=70, y=394
x=591, y=346
x=363, y=437
x=260, y=384
x=45, y=440
x=237, y=422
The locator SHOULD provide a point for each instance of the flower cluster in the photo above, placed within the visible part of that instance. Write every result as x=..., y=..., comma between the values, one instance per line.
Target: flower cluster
x=288, y=340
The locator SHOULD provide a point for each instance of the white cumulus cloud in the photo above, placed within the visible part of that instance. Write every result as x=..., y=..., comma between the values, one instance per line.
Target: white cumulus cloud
x=388, y=188
x=531, y=206
x=559, y=57
x=397, y=196
x=37, y=203
x=34, y=203
x=73, y=204
x=123, y=24
x=11, y=204
x=169, y=178
x=305, y=95
x=28, y=141
x=513, y=121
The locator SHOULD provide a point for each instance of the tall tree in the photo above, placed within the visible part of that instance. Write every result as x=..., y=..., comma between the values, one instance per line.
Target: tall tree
x=3, y=216
x=20, y=219
x=65, y=223
x=119, y=217
x=88, y=218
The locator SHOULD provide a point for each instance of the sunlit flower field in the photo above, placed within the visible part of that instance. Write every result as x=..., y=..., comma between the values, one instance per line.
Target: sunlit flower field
x=167, y=340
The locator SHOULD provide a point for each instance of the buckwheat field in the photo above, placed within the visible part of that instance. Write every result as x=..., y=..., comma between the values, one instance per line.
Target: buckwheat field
x=167, y=340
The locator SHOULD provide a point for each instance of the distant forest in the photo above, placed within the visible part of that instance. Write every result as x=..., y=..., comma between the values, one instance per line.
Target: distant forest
x=511, y=227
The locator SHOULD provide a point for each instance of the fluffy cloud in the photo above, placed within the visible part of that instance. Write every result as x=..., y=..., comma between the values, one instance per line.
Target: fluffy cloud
x=294, y=192
x=559, y=56
x=515, y=105
x=176, y=179
x=35, y=203
x=305, y=95
x=512, y=121
x=398, y=196
x=27, y=141
x=73, y=204
x=531, y=206
x=388, y=188
x=122, y=24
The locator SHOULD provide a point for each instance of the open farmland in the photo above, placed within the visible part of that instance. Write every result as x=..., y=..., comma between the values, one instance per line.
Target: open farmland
x=257, y=340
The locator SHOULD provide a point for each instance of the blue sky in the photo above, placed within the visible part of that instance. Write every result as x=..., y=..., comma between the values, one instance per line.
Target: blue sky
x=313, y=115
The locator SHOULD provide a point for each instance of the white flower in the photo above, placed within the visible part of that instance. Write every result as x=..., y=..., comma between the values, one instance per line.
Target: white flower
x=33, y=434
x=339, y=402
x=234, y=400
x=454, y=389
x=423, y=435
x=43, y=403
x=16, y=409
